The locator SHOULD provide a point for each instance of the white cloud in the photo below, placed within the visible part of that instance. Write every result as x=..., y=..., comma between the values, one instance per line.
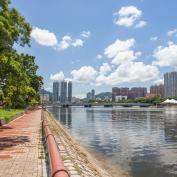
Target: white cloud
x=130, y=72
x=119, y=46
x=159, y=81
x=85, y=34
x=105, y=69
x=78, y=43
x=44, y=37
x=129, y=16
x=84, y=74
x=154, y=38
x=57, y=77
x=172, y=32
x=166, y=56
x=64, y=43
x=99, y=56
x=141, y=24
x=126, y=70
x=121, y=51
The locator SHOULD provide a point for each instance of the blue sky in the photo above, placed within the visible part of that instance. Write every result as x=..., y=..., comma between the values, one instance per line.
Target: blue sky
x=102, y=43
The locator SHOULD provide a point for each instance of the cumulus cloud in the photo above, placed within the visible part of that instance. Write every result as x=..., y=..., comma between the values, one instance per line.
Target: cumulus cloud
x=122, y=51
x=166, y=56
x=130, y=72
x=84, y=74
x=129, y=16
x=159, y=81
x=126, y=69
x=44, y=37
x=141, y=24
x=105, y=69
x=85, y=34
x=122, y=68
x=172, y=32
x=78, y=43
x=64, y=43
x=57, y=77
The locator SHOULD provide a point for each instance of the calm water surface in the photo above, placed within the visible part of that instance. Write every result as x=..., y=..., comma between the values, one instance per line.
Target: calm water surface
x=142, y=141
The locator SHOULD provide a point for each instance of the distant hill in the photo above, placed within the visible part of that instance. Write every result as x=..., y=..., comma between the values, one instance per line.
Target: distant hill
x=104, y=95
x=42, y=91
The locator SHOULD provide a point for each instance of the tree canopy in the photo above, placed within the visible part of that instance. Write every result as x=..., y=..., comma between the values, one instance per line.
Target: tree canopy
x=19, y=82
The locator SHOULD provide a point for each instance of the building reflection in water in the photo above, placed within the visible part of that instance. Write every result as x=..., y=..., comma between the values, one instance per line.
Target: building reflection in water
x=64, y=115
x=142, y=141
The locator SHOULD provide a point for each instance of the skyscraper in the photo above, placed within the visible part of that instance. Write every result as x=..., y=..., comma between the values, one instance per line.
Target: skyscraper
x=170, y=84
x=89, y=96
x=157, y=89
x=63, y=92
x=56, y=91
x=69, y=91
x=93, y=94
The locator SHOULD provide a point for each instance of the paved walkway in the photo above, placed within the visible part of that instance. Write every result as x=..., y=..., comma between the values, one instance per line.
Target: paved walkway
x=20, y=147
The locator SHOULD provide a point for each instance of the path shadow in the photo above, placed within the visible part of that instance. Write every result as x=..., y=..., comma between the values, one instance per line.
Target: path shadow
x=8, y=142
x=5, y=128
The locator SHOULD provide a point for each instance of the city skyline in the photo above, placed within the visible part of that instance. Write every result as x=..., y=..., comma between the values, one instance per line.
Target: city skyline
x=105, y=48
x=62, y=91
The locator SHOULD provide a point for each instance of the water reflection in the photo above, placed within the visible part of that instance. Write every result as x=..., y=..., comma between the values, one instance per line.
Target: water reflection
x=141, y=141
x=64, y=115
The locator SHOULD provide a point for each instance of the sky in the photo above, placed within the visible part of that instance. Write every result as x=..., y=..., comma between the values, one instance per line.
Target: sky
x=102, y=43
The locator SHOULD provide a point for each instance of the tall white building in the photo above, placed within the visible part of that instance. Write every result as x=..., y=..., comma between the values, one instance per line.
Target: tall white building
x=56, y=91
x=69, y=91
x=63, y=92
x=170, y=84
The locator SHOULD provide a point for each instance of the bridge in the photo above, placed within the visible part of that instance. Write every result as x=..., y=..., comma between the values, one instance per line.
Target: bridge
x=100, y=104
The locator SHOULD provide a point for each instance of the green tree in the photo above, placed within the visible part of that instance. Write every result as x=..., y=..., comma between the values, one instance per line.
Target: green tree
x=18, y=79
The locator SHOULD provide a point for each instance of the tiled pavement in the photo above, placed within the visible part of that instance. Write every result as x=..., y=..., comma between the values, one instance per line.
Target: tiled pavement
x=20, y=147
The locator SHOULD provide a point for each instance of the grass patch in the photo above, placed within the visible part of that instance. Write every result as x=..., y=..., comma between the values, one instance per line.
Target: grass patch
x=8, y=114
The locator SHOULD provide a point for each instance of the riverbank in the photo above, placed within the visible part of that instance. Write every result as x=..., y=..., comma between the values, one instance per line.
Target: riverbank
x=78, y=160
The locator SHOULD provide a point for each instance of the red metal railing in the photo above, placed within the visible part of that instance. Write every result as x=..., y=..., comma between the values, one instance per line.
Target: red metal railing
x=57, y=168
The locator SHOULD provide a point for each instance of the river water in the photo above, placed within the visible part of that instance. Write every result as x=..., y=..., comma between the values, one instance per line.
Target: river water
x=142, y=141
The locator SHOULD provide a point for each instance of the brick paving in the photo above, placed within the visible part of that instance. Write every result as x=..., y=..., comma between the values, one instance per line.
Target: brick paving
x=20, y=147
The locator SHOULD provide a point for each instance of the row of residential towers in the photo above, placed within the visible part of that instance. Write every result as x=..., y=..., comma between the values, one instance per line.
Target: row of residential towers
x=168, y=89
x=62, y=92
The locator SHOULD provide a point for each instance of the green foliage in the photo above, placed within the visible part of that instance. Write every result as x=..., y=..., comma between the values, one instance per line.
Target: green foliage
x=13, y=27
x=8, y=114
x=155, y=100
x=19, y=82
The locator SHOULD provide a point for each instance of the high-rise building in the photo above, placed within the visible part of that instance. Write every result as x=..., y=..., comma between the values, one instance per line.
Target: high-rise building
x=157, y=89
x=56, y=91
x=135, y=92
x=69, y=91
x=93, y=94
x=119, y=92
x=89, y=96
x=170, y=84
x=63, y=92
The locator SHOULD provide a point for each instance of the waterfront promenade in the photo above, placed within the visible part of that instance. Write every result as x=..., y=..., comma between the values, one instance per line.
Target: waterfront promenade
x=20, y=147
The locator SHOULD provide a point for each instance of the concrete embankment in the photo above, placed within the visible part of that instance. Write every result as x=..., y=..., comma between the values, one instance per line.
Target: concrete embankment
x=76, y=159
